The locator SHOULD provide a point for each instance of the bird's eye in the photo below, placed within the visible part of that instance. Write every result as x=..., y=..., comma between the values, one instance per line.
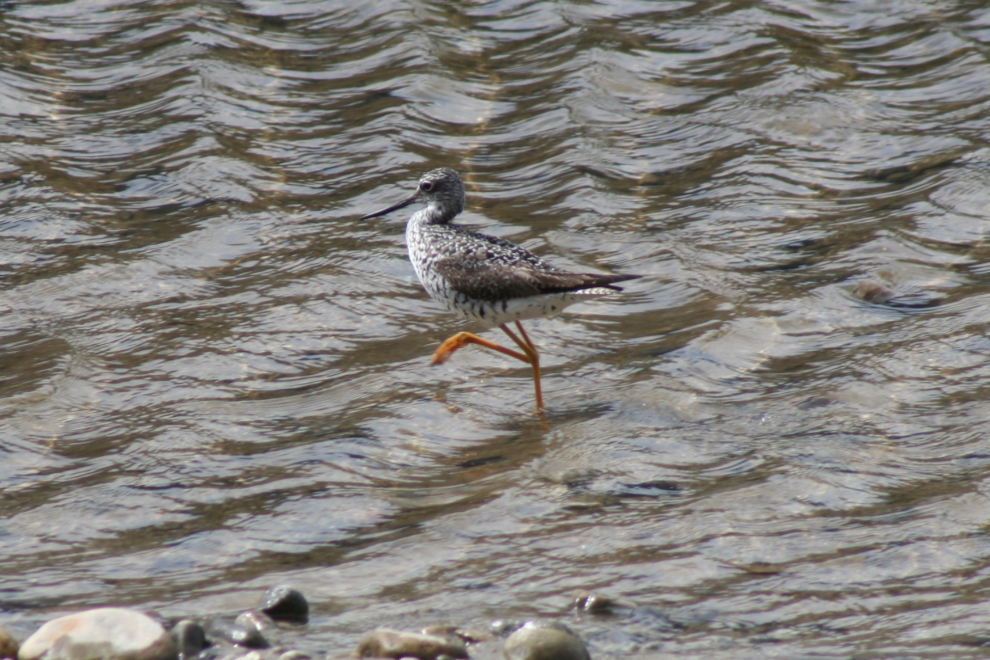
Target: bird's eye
x=426, y=186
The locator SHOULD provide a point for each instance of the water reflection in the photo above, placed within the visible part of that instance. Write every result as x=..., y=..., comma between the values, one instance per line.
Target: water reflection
x=215, y=377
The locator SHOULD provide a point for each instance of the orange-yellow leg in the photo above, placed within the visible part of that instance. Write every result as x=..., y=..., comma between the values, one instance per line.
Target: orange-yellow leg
x=534, y=358
x=462, y=339
x=528, y=355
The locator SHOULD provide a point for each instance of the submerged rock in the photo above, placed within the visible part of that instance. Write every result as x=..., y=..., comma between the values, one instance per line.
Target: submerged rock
x=594, y=603
x=235, y=633
x=255, y=620
x=545, y=640
x=108, y=633
x=284, y=603
x=386, y=643
x=190, y=638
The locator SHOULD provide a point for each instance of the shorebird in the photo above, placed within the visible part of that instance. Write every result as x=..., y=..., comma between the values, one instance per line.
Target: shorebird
x=484, y=278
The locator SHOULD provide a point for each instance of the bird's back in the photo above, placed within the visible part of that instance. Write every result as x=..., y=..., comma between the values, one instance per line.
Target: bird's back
x=493, y=280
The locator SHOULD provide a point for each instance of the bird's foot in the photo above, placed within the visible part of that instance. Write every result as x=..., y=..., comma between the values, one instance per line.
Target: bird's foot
x=449, y=347
x=462, y=339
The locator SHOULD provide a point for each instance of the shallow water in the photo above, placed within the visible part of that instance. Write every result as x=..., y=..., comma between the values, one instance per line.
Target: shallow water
x=214, y=377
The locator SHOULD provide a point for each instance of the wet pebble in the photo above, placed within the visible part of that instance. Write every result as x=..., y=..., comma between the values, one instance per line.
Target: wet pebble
x=386, y=643
x=235, y=633
x=190, y=639
x=254, y=620
x=545, y=640
x=110, y=633
x=902, y=298
x=594, y=603
x=284, y=603
x=8, y=645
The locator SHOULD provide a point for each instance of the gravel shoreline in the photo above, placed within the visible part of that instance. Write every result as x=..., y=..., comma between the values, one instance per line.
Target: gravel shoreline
x=114, y=633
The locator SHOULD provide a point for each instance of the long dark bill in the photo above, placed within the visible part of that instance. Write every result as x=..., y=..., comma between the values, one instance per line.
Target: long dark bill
x=394, y=207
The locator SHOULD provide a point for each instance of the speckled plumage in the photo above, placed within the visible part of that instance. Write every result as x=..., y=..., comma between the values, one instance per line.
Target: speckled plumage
x=485, y=278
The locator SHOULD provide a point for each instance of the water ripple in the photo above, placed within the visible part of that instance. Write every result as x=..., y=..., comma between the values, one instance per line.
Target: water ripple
x=214, y=377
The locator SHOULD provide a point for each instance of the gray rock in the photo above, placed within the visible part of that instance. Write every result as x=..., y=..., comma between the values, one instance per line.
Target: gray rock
x=386, y=643
x=190, y=639
x=235, y=633
x=284, y=603
x=108, y=633
x=545, y=640
x=8, y=645
x=254, y=620
x=594, y=603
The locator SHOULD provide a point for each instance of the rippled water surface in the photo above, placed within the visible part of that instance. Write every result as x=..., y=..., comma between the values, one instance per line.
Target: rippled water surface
x=215, y=378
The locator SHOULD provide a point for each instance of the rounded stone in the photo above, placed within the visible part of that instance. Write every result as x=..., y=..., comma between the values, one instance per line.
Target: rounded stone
x=235, y=633
x=386, y=643
x=254, y=620
x=109, y=633
x=284, y=603
x=190, y=638
x=594, y=603
x=539, y=640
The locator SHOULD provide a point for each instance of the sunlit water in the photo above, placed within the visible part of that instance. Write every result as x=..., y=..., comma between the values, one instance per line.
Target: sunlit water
x=215, y=377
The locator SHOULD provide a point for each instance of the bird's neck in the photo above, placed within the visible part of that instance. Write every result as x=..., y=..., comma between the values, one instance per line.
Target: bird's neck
x=433, y=214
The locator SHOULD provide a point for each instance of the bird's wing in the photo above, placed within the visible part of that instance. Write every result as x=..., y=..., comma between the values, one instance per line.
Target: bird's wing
x=479, y=276
x=492, y=268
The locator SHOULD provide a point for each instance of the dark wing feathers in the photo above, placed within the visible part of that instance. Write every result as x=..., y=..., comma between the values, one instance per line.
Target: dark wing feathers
x=491, y=268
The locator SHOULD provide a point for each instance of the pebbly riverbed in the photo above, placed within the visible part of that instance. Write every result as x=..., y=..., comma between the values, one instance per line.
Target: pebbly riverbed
x=114, y=633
